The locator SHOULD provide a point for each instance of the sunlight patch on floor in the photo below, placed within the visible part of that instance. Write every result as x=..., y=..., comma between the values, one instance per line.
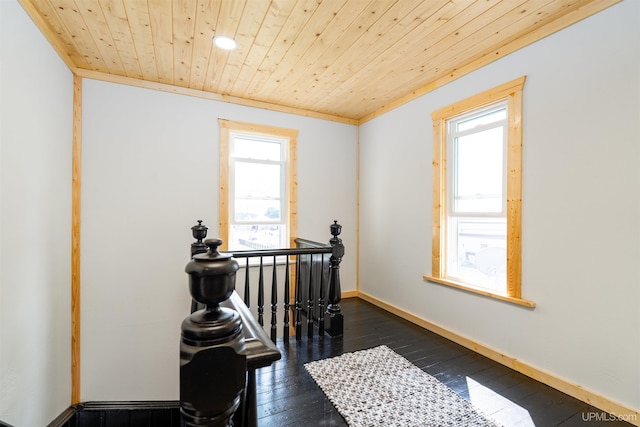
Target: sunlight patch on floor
x=499, y=408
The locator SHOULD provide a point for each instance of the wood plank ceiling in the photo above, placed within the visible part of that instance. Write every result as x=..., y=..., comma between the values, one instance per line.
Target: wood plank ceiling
x=344, y=60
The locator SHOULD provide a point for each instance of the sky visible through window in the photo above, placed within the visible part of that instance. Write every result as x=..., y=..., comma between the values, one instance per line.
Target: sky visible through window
x=478, y=172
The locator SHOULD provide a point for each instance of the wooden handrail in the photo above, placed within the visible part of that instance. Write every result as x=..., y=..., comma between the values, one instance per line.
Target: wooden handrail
x=279, y=252
x=260, y=352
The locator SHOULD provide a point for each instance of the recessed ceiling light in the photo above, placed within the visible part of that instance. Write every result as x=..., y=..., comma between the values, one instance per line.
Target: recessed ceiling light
x=225, y=42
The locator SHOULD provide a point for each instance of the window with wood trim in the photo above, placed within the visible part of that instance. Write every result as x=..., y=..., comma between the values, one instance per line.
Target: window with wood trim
x=477, y=187
x=258, y=186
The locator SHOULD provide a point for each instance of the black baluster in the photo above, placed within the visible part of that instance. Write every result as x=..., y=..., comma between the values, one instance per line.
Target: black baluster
x=261, y=295
x=298, y=303
x=310, y=301
x=274, y=302
x=287, y=304
x=247, y=299
x=321, y=298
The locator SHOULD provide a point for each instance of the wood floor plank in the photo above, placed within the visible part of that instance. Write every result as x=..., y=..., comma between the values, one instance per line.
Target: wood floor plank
x=288, y=396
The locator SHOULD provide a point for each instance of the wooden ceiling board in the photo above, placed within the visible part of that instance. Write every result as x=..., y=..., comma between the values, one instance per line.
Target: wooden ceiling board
x=504, y=48
x=277, y=51
x=412, y=54
x=343, y=31
x=270, y=28
x=248, y=28
x=140, y=24
x=439, y=47
x=366, y=85
x=161, y=24
x=320, y=19
x=380, y=37
x=75, y=31
x=227, y=25
x=506, y=28
x=343, y=60
x=117, y=19
x=205, y=25
x=99, y=30
x=438, y=50
x=371, y=34
x=323, y=40
x=184, y=24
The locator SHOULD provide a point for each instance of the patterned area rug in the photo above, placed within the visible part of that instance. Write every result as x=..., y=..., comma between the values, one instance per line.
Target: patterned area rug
x=378, y=387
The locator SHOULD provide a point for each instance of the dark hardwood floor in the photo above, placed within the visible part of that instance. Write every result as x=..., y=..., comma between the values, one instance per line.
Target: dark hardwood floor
x=287, y=396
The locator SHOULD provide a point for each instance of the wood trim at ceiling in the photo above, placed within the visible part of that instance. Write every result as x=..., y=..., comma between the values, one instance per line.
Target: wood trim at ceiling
x=210, y=95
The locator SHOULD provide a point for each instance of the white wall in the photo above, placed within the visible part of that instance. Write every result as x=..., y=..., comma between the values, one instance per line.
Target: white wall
x=150, y=170
x=36, y=102
x=581, y=235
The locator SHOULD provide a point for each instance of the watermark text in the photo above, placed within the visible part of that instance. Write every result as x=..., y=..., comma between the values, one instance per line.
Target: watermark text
x=606, y=416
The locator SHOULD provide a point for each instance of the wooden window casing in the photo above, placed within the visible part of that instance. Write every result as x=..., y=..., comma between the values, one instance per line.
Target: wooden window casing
x=291, y=216
x=510, y=92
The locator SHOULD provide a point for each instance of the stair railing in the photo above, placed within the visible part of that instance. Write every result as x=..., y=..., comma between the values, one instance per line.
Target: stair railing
x=222, y=341
x=310, y=290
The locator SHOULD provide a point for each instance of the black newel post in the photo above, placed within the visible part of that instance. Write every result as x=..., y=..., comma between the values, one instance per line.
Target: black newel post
x=334, y=312
x=199, y=233
x=213, y=362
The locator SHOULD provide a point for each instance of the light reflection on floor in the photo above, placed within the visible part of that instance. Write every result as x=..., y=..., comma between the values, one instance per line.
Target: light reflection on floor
x=499, y=408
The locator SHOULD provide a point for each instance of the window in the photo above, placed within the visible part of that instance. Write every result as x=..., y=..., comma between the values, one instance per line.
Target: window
x=477, y=187
x=257, y=186
x=476, y=240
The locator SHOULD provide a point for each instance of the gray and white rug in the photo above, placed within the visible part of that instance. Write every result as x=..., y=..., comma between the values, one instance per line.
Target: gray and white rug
x=378, y=387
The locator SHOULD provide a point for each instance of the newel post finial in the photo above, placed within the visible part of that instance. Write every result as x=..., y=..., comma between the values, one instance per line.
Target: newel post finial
x=334, y=316
x=199, y=233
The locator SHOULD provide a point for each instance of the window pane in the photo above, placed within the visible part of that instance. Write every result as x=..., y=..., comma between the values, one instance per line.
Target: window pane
x=477, y=251
x=478, y=172
x=256, y=149
x=246, y=237
x=485, y=119
x=257, y=180
x=257, y=210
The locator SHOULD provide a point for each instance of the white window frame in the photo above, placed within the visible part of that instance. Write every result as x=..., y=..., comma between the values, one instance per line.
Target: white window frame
x=454, y=216
x=234, y=160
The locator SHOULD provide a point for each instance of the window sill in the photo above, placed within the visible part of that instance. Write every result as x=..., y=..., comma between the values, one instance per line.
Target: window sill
x=484, y=292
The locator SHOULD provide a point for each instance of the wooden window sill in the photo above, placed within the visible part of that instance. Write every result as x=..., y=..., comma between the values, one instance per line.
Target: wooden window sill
x=484, y=292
